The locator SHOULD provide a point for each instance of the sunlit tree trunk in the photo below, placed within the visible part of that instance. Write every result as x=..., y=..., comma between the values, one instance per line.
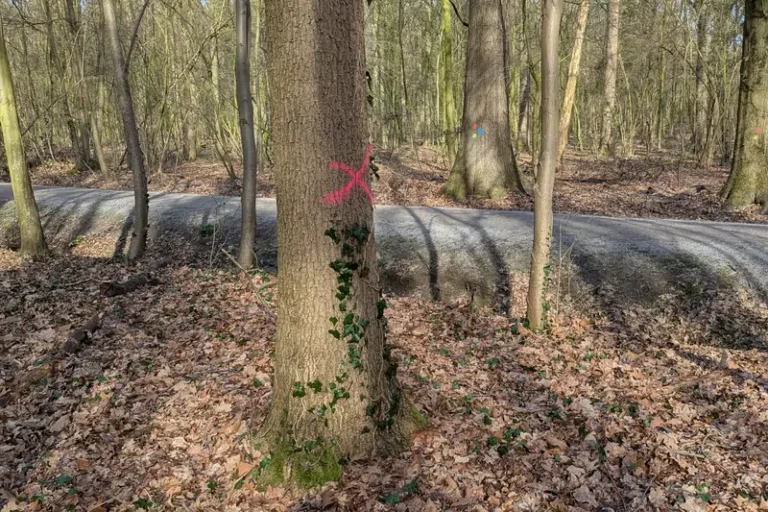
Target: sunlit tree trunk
x=573, y=77
x=245, y=111
x=702, y=87
x=32, y=240
x=485, y=165
x=609, y=81
x=135, y=158
x=748, y=181
x=545, y=178
x=335, y=395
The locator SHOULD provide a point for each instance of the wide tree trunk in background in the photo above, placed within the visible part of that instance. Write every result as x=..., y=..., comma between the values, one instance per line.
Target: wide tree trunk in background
x=446, y=80
x=335, y=394
x=32, y=240
x=552, y=11
x=574, y=69
x=135, y=157
x=245, y=111
x=748, y=181
x=609, y=81
x=485, y=165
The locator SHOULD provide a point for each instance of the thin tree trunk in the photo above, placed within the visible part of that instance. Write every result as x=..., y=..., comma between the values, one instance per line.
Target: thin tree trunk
x=748, y=181
x=485, y=165
x=609, y=83
x=702, y=87
x=446, y=80
x=545, y=178
x=245, y=112
x=32, y=239
x=573, y=77
x=135, y=158
x=335, y=395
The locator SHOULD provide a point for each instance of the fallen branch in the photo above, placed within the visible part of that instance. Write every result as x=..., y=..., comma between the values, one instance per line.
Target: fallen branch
x=115, y=288
x=81, y=335
x=256, y=289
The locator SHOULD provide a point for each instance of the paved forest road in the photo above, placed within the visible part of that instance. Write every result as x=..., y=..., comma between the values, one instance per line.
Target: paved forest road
x=450, y=251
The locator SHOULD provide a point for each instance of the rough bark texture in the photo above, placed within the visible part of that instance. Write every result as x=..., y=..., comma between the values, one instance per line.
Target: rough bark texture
x=574, y=68
x=748, y=181
x=609, y=82
x=135, y=157
x=545, y=179
x=484, y=166
x=32, y=240
x=335, y=395
x=245, y=112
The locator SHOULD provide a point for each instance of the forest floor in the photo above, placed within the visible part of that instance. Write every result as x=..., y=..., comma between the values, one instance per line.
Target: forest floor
x=660, y=185
x=630, y=408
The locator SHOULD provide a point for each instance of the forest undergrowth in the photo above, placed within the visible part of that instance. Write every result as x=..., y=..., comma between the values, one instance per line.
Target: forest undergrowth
x=655, y=185
x=631, y=408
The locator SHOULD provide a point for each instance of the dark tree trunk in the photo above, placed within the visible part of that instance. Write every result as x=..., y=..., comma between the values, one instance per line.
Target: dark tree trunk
x=245, y=111
x=335, y=394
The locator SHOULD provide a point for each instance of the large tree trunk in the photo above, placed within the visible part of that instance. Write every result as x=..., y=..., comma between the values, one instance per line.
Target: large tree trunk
x=32, y=240
x=245, y=110
x=609, y=82
x=135, y=157
x=748, y=181
x=545, y=178
x=335, y=394
x=485, y=165
x=574, y=69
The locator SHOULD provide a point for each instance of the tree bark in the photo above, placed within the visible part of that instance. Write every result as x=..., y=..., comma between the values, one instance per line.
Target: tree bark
x=574, y=69
x=748, y=181
x=446, y=80
x=702, y=87
x=609, y=82
x=485, y=166
x=335, y=394
x=545, y=178
x=135, y=158
x=32, y=239
x=245, y=112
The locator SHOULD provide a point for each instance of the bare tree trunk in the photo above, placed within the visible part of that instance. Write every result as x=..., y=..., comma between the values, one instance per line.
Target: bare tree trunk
x=32, y=239
x=485, y=166
x=573, y=77
x=245, y=111
x=748, y=181
x=609, y=83
x=335, y=393
x=702, y=86
x=545, y=178
x=446, y=80
x=135, y=158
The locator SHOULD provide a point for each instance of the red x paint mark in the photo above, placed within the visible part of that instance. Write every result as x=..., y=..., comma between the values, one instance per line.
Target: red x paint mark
x=758, y=130
x=336, y=196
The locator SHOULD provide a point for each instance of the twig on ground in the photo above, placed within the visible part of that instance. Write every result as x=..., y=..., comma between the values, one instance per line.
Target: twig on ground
x=256, y=289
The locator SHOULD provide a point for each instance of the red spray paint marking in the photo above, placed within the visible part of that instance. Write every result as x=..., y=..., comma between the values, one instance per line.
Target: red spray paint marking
x=758, y=130
x=336, y=196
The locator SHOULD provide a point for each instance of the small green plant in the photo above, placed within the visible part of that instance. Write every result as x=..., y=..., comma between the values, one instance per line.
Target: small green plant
x=493, y=362
x=79, y=239
x=212, y=486
x=207, y=229
x=257, y=383
x=143, y=504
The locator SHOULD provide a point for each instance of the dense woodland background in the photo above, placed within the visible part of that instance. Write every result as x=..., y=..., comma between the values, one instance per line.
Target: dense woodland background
x=676, y=87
